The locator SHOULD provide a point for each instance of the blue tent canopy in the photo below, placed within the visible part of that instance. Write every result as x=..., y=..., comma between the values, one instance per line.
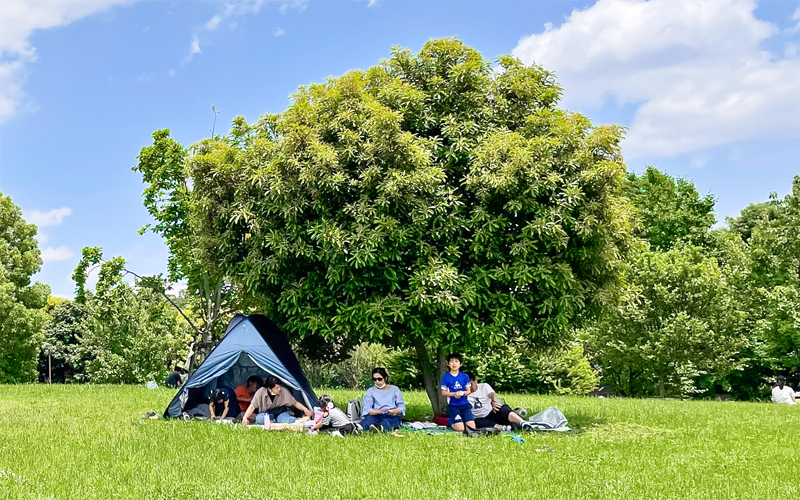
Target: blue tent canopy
x=252, y=345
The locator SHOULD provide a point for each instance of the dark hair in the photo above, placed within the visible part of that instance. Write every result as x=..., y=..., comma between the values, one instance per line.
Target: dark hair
x=271, y=381
x=255, y=379
x=455, y=355
x=219, y=394
x=382, y=371
x=324, y=400
x=471, y=376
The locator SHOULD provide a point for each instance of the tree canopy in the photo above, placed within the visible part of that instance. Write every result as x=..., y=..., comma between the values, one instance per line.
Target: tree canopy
x=669, y=211
x=21, y=303
x=429, y=201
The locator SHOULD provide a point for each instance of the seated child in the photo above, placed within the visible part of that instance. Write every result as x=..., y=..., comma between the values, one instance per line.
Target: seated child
x=334, y=419
x=222, y=404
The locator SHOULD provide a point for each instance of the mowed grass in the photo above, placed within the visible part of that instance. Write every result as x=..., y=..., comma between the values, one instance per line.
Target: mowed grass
x=92, y=442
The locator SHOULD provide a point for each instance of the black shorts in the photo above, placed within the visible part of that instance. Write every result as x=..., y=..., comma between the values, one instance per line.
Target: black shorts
x=499, y=417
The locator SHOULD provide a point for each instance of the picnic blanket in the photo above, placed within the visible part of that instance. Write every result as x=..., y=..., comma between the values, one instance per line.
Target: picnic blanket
x=550, y=419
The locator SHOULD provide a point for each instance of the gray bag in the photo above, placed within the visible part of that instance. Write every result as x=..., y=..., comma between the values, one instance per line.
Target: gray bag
x=354, y=410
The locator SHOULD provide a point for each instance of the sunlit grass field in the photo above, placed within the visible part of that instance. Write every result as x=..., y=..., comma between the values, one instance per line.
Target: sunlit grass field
x=92, y=442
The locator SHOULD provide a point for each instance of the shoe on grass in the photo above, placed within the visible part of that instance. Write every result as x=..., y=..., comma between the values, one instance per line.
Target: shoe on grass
x=470, y=432
x=375, y=428
x=337, y=434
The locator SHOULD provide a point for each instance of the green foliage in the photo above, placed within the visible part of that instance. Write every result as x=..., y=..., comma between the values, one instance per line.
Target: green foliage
x=21, y=303
x=427, y=202
x=66, y=326
x=669, y=211
x=131, y=334
x=680, y=318
x=552, y=370
x=352, y=373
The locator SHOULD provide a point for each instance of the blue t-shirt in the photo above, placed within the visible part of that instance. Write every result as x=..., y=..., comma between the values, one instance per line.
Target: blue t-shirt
x=456, y=383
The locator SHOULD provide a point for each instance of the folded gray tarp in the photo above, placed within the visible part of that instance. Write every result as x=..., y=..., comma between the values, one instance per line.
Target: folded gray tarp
x=549, y=420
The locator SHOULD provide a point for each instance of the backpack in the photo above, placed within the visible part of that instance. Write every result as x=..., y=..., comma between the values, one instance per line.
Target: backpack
x=354, y=410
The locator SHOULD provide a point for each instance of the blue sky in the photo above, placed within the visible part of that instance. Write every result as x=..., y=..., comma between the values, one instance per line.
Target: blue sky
x=708, y=90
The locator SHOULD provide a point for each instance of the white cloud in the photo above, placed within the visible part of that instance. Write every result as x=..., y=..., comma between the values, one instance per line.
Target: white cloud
x=42, y=238
x=50, y=254
x=279, y=32
x=52, y=218
x=18, y=19
x=212, y=23
x=194, y=48
x=695, y=70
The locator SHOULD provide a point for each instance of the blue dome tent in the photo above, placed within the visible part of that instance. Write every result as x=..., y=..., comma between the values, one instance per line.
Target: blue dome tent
x=252, y=345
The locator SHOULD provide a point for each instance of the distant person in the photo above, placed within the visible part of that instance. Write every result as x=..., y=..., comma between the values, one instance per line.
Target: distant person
x=333, y=419
x=489, y=411
x=383, y=404
x=456, y=386
x=275, y=401
x=245, y=392
x=782, y=393
x=174, y=379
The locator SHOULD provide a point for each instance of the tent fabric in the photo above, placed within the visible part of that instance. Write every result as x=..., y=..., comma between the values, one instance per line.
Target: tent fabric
x=252, y=345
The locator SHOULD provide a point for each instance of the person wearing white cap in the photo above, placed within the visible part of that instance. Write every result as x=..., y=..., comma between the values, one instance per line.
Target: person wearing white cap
x=782, y=393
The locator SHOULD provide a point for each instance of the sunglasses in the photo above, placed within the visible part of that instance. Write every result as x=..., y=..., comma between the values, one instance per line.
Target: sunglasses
x=377, y=379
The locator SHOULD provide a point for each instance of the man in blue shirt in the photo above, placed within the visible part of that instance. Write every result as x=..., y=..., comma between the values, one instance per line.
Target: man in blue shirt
x=456, y=386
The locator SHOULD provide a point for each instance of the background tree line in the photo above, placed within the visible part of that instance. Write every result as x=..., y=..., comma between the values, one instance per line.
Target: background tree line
x=431, y=204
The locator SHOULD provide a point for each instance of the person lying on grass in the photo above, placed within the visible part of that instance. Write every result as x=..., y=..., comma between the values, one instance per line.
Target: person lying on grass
x=245, y=392
x=782, y=393
x=456, y=386
x=383, y=404
x=272, y=399
x=333, y=419
x=489, y=411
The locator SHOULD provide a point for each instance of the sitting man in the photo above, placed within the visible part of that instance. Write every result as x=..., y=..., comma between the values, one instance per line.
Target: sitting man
x=489, y=411
x=782, y=393
x=174, y=380
x=245, y=392
x=272, y=399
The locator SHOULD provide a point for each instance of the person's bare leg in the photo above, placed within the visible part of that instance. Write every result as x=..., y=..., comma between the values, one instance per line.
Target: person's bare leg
x=514, y=418
x=471, y=424
x=458, y=426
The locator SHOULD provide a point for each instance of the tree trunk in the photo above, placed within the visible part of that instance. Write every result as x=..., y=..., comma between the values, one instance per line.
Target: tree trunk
x=432, y=370
x=662, y=393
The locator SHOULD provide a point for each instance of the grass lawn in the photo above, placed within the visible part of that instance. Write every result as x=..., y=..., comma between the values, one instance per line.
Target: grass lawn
x=91, y=442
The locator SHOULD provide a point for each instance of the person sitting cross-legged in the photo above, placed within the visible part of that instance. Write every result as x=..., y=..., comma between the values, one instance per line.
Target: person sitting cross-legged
x=275, y=401
x=489, y=411
x=383, y=404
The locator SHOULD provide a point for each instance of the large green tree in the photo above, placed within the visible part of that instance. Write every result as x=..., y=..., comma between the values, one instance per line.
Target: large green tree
x=681, y=317
x=430, y=202
x=130, y=334
x=21, y=303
